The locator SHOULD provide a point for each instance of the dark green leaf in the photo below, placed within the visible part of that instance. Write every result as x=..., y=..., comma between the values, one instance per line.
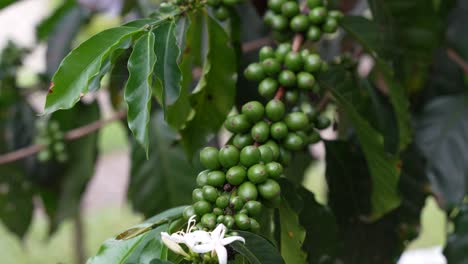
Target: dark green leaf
x=441, y=135
x=48, y=25
x=5, y=3
x=257, y=250
x=77, y=69
x=62, y=184
x=292, y=235
x=167, y=178
x=214, y=95
x=295, y=171
x=382, y=165
x=457, y=242
x=168, y=87
x=130, y=251
x=139, y=87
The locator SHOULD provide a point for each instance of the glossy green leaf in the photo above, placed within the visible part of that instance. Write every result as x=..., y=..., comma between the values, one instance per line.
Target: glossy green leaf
x=382, y=165
x=167, y=178
x=138, y=89
x=77, y=69
x=130, y=251
x=370, y=35
x=214, y=95
x=441, y=135
x=257, y=250
x=457, y=242
x=292, y=235
x=61, y=185
x=168, y=87
x=295, y=171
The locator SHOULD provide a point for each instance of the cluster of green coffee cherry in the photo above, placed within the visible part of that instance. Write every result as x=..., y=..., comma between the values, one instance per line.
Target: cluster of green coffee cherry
x=221, y=7
x=285, y=16
x=50, y=135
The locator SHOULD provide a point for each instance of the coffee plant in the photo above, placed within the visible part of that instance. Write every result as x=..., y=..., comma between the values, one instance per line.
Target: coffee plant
x=224, y=101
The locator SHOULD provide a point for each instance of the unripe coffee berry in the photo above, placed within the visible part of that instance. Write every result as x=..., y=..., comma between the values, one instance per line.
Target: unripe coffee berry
x=210, y=193
x=237, y=124
x=257, y=173
x=290, y=9
x=299, y=23
x=202, y=207
x=266, y=154
x=242, y=140
x=282, y=50
x=313, y=138
x=322, y=122
x=271, y=66
x=189, y=211
x=278, y=130
x=287, y=78
x=279, y=22
x=274, y=147
x=285, y=156
x=216, y=178
x=266, y=52
x=267, y=88
x=275, y=110
x=221, y=13
x=209, y=220
x=247, y=191
x=293, y=61
x=293, y=142
x=275, y=5
x=314, y=33
x=217, y=211
x=336, y=14
x=236, y=202
x=314, y=3
x=318, y=15
x=305, y=80
x=330, y=25
x=296, y=121
x=249, y=156
x=197, y=195
x=253, y=110
x=291, y=97
x=236, y=175
x=220, y=219
x=254, y=225
x=222, y=201
x=229, y=221
x=253, y=208
x=228, y=156
x=269, y=189
x=202, y=178
x=254, y=72
x=312, y=63
x=242, y=221
x=260, y=132
x=209, y=158
x=274, y=169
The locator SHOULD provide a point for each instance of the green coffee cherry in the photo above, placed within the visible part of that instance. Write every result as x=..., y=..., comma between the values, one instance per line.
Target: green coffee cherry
x=249, y=156
x=291, y=97
x=242, y=221
x=221, y=13
x=284, y=156
x=274, y=147
x=253, y=208
x=243, y=211
x=318, y=15
x=189, y=211
x=237, y=124
x=197, y=195
x=260, y=131
x=218, y=211
x=314, y=33
x=269, y=189
x=202, y=177
x=287, y=78
x=220, y=219
x=279, y=22
x=271, y=66
x=254, y=72
x=330, y=25
x=202, y=207
x=209, y=158
x=247, y=191
x=266, y=154
x=275, y=110
x=236, y=202
x=209, y=220
x=257, y=173
x=278, y=130
x=290, y=9
x=267, y=88
x=293, y=61
x=305, y=80
x=229, y=221
x=314, y=3
x=253, y=110
x=335, y=14
x=282, y=50
x=210, y=193
x=266, y=52
x=322, y=122
x=299, y=23
x=254, y=225
x=293, y=142
x=228, y=156
x=296, y=121
x=242, y=140
x=268, y=17
x=314, y=137
x=312, y=63
x=236, y=175
x=216, y=178
x=44, y=155
x=222, y=202
x=276, y=5
x=274, y=169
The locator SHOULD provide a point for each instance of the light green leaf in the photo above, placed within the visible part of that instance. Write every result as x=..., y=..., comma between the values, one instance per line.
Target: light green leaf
x=77, y=69
x=257, y=250
x=175, y=100
x=139, y=87
x=292, y=235
x=214, y=95
x=382, y=165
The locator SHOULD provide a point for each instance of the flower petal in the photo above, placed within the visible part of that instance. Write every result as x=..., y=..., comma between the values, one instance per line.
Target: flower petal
x=197, y=237
x=203, y=248
x=172, y=245
x=218, y=233
x=229, y=240
x=177, y=238
x=222, y=254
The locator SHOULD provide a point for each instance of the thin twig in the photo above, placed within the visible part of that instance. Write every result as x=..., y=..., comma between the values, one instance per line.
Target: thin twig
x=70, y=135
x=453, y=55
